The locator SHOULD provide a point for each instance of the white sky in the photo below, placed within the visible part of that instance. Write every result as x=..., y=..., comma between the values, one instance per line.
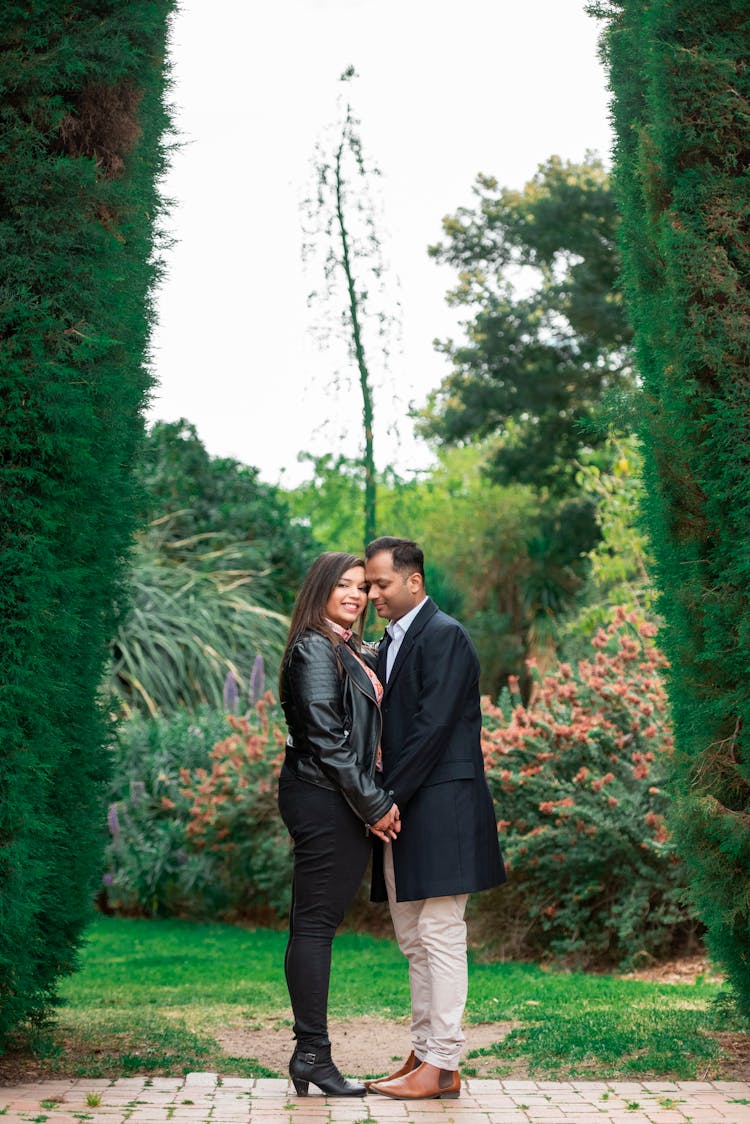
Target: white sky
x=446, y=89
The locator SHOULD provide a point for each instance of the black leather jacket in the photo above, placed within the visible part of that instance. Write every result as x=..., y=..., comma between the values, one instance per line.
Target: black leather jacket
x=334, y=723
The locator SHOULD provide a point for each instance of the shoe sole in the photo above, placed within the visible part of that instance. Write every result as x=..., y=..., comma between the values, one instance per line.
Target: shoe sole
x=426, y=1097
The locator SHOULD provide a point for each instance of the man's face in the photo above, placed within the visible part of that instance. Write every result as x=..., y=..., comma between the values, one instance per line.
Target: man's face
x=392, y=593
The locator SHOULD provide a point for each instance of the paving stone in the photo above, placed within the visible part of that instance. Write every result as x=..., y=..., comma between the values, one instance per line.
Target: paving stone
x=532, y=1116
x=494, y=1101
x=385, y=1107
x=484, y=1101
x=508, y=1117
x=666, y=1116
x=625, y=1118
x=269, y=1084
x=430, y=1116
x=577, y=1112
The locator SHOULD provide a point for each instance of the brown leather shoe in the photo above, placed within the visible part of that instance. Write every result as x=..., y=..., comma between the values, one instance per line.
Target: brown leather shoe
x=411, y=1063
x=426, y=1082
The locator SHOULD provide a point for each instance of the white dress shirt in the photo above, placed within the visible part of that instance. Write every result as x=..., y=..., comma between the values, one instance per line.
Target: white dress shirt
x=397, y=630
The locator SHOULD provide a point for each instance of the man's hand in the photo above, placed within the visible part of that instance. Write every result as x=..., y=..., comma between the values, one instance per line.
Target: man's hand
x=389, y=825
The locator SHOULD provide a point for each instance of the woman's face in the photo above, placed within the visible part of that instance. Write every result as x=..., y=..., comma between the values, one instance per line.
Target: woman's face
x=348, y=597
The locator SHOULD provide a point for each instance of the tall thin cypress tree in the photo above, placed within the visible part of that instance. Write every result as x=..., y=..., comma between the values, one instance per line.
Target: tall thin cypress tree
x=681, y=88
x=82, y=96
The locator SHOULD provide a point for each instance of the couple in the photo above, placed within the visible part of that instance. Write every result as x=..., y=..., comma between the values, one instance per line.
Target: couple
x=383, y=747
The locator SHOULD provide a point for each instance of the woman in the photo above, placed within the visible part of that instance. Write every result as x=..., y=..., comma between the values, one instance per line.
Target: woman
x=328, y=797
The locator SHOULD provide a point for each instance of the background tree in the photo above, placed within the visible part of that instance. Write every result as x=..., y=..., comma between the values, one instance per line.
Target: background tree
x=212, y=576
x=216, y=513
x=621, y=560
x=81, y=86
x=342, y=232
x=501, y=562
x=681, y=94
x=547, y=334
x=546, y=343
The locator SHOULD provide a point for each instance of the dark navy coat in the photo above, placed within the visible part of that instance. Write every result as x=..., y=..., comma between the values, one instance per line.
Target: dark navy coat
x=433, y=766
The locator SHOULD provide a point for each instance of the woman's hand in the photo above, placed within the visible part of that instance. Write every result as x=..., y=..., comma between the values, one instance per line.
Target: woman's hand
x=389, y=825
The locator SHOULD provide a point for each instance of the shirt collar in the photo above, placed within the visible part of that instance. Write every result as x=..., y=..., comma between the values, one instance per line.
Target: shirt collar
x=344, y=633
x=402, y=625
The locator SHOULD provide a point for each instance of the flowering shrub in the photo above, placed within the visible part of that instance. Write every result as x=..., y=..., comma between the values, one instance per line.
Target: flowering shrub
x=578, y=776
x=232, y=814
x=148, y=866
x=193, y=824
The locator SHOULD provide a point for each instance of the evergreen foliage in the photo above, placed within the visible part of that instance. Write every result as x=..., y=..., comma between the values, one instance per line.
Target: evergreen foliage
x=681, y=89
x=538, y=359
x=216, y=514
x=211, y=576
x=81, y=89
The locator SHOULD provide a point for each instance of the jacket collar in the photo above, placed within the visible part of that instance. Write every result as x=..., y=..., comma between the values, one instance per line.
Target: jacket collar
x=355, y=671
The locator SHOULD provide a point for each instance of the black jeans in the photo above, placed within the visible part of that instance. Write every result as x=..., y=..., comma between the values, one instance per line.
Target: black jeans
x=331, y=851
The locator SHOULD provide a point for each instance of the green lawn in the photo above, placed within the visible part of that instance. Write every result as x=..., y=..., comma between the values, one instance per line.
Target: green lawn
x=150, y=992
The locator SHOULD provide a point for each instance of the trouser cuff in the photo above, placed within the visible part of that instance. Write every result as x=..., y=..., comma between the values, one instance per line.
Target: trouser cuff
x=442, y=1061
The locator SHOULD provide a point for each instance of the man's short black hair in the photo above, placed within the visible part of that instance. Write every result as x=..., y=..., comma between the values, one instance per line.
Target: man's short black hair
x=407, y=556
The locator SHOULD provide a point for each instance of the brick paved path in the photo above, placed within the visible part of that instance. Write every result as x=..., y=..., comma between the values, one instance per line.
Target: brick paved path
x=202, y=1097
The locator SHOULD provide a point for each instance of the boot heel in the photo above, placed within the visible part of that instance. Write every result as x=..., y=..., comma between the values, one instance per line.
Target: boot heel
x=450, y=1096
x=315, y=1066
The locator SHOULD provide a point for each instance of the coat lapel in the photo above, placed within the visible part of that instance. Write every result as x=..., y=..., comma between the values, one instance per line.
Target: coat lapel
x=422, y=618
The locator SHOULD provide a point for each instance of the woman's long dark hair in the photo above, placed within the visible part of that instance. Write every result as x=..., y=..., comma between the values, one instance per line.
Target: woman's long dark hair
x=310, y=607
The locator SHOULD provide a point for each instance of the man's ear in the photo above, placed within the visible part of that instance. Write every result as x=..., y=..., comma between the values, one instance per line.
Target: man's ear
x=415, y=583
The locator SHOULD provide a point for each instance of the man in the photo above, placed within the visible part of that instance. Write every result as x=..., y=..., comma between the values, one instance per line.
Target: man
x=432, y=763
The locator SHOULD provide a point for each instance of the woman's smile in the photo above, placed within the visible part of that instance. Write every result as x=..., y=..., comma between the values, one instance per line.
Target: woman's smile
x=348, y=598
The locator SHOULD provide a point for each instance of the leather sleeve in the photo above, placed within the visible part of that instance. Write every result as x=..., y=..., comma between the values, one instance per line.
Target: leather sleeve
x=316, y=691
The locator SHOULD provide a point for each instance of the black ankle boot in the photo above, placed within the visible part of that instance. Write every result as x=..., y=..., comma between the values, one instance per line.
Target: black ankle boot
x=315, y=1065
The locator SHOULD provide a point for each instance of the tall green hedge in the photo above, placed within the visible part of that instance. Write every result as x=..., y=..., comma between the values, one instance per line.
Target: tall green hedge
x=82, y=117
x=681, y=85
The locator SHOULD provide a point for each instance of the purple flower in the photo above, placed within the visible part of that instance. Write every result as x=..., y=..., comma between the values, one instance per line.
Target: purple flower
x=231, y=692
x=108, y=879
x=257, y=681
x=181, y=857
x=113, y=821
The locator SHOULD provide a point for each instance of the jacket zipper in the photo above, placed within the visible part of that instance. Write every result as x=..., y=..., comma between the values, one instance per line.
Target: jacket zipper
x=380, y=725
x=375, y=754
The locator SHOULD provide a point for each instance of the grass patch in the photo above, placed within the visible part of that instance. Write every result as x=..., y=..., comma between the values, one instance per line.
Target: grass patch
x=597, y=1026
x=149, y=994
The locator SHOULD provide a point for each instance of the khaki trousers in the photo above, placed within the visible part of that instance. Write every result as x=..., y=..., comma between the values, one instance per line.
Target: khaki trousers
x=431, y=933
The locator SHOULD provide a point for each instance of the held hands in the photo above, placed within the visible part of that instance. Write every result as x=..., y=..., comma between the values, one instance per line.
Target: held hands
x=388, y=826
